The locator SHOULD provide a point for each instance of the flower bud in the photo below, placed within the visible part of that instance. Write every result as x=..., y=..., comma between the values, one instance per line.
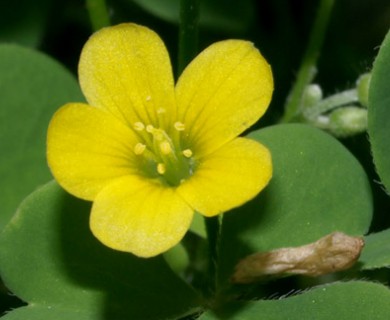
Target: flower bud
x=362, y=85
x=347, y=121
x=311, y=95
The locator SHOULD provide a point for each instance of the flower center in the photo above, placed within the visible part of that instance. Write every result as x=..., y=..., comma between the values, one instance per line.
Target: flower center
x=161, y=153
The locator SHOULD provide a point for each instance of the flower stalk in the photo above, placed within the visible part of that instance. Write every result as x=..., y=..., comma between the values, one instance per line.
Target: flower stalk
x=188, y=32
x=330, y=103
x=188, y=49
x=212, y=230
x=98, y=14
x=307, y=70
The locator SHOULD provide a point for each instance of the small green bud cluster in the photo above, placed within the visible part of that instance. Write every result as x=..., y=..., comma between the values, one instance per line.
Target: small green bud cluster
x=343, y=114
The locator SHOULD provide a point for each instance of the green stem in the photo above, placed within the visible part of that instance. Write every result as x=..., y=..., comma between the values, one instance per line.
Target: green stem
x=213, y=229
x=347, y=97
x=98, y=14
x=307, y=70
x=188, y=32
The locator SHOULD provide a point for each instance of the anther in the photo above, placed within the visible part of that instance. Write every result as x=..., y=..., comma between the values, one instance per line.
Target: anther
x=161, y=168
x=139, y=126
x=139, y=148
x=161, y=110
x=149, y=128
x=187, y=153
x=165, y=147
x=158, y=134
x=179, y=126
x=148, y=98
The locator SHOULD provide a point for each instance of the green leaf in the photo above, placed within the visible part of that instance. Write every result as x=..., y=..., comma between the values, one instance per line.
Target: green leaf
x=177, y=258
x=317, y=187
x=356, y=300
x=23, y=21
x=376, y=252
x=221, y=15
x=49, y=258
x=40, y=312
x=379, y=112
x=198, y=226
x=32, y=87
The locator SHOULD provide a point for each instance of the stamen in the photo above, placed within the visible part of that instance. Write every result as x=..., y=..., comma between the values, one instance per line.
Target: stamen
x=187, y=153
x=148, y=98
x=161, y=168
x=162, y=150
x=139, y=148
x=161, y=110
x=158, y=134
x=179, y=126
x=149, y=128
x=139, y=126
x=165, y=147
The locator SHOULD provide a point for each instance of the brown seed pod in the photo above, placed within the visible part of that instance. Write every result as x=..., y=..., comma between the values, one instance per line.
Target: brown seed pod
x=333, y=252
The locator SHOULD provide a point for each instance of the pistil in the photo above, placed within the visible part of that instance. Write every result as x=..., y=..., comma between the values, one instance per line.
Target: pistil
x=172, y=164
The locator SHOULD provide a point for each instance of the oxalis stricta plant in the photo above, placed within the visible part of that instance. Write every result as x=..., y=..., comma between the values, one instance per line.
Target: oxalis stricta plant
x=187, y=184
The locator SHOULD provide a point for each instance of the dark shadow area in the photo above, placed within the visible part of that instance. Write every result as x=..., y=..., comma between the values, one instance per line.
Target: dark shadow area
x=8, y=301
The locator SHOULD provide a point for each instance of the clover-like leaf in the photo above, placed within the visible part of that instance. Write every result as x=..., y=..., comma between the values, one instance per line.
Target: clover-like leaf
x=49, y=258
x=33, y=86
x=376, y=252
x=339, y=301
x=379, y=112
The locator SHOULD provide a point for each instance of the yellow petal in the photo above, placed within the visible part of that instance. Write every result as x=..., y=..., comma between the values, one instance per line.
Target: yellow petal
x=126, y=70
x=228, y=177
x=222, y=92
x=140, y=216
x=87, y=148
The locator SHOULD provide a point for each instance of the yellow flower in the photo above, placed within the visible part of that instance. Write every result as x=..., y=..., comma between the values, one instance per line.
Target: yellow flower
x=149, y=153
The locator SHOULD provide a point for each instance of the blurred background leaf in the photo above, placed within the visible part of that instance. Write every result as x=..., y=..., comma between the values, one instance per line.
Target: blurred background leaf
x=24, y=21
x=32, y=87
x=220, y=15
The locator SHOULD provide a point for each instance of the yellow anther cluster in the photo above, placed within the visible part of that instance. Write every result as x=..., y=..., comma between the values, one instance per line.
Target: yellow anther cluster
x=139, y=148
x=149, y=128
x=158, y=134
x=161, y=169
x=179, y=126
x=187, y=153
x=139, y=126
x=165, y=151
x=165, y=147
